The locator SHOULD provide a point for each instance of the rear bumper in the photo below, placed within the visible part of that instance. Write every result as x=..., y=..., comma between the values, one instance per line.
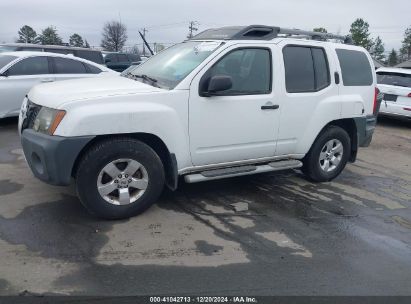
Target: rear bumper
x=394, y=109
x=51, y=158
x=365, y=129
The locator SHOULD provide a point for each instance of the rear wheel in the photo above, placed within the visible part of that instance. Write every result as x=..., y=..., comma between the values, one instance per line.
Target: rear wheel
x=328, y=155
x=119, y=178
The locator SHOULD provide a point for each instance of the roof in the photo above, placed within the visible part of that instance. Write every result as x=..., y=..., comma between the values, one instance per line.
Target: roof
x=47, y=46
x=395, y=70
x=264, y=32
x=405, y=64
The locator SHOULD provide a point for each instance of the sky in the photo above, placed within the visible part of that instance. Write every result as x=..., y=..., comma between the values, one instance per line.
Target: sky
x=167, y=20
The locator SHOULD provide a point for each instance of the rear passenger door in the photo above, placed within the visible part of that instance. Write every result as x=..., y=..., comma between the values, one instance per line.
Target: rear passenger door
x=308, y=93
x=65, y=68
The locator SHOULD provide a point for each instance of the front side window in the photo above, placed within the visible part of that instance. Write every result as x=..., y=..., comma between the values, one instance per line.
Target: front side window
x=30, y=66
x=169, y=67
x=122, y=58
x=68, y=66
x=249, y=69
x=306, y=69
x=93, y=69
x=355, y=68
x=394, y=79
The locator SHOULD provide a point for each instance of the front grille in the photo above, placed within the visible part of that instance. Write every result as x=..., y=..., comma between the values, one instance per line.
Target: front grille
x=31, y=113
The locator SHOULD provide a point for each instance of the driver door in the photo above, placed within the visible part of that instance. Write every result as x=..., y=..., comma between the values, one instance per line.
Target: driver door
x=239, y=123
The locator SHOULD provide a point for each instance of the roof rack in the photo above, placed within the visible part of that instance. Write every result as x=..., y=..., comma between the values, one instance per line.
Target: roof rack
x=264, y=32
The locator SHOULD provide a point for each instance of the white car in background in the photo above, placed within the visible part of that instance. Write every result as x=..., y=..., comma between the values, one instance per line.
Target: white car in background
x=20, y=71
x=395, y=84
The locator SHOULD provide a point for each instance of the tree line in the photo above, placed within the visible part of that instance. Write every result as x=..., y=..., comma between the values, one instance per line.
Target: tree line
x=49, y=36
x=361, y=36
x=114, y=37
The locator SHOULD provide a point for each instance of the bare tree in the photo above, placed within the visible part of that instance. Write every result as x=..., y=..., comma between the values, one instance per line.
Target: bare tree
x=114, y=36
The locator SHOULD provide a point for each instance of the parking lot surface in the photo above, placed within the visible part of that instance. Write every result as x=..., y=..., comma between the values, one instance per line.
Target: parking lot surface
x=351, y=236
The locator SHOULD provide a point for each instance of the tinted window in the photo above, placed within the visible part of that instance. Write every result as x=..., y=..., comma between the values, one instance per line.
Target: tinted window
x=306, y=69
x=68, y=66
x=30, y=66
x=322, y=74
x=299, y=69
x=7, y=48
x=94, y=56
x=93, y=69
x=122, y=57
x=355, y=68
x=5, y=60
x=249, y=69
x=30, y=49
x=395, y=79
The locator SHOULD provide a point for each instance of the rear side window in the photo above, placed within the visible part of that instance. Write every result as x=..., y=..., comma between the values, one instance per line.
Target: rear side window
x=68, y=66
x=355, y=68
x=394, y=79
x=306, y=69
x=30, y=66
x=92, y=69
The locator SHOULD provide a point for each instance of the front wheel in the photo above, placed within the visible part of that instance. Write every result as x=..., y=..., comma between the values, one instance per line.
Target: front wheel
x=328, y=155
x=119, y=178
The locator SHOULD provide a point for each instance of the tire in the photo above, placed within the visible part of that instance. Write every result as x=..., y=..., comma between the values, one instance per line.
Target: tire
x=315, y=168
x=99, y=172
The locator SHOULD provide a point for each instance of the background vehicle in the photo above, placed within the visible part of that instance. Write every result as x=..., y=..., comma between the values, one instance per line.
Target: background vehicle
x=121, y=61
x=20, y=71
x=395, y=84
x=85, y=53
x=229, y=102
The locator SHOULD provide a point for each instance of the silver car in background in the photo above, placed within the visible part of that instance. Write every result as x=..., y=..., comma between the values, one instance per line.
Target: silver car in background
x=20, y=71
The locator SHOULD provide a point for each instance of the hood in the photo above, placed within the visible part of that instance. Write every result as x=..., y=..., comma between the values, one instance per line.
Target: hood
x=55, y=94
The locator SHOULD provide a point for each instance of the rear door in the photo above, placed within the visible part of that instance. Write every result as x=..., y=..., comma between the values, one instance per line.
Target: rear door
x=21, y=77
x=307, y=93
x=65, y=68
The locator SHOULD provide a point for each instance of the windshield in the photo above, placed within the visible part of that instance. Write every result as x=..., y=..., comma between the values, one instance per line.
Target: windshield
x=6, y=48
x=168, y=68
x=5, y=60
x=394, y=79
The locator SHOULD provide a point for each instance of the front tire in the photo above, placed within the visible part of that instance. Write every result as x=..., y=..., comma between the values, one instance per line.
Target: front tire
x=328, y=155
x=119, y=178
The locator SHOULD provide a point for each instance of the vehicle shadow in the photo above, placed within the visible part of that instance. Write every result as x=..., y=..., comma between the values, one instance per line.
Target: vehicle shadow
x=388, y=121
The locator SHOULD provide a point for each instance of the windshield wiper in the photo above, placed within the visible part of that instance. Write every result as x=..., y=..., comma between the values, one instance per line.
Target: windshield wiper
x=145, y=77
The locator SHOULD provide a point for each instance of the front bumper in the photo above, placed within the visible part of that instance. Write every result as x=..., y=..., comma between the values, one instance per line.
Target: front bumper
x=365, y=129
x=51, y=158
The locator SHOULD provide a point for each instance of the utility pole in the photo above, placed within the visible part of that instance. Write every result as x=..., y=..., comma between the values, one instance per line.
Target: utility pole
x=144, y=31
x=192, y=27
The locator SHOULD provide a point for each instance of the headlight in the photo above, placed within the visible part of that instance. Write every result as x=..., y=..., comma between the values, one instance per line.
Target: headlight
x=47, y=120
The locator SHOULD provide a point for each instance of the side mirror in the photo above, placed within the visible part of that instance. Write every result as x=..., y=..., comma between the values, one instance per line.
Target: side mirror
x=218, y=83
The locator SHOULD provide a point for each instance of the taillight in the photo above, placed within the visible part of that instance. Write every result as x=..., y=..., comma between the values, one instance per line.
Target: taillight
x=409, y=95
x=375, y=106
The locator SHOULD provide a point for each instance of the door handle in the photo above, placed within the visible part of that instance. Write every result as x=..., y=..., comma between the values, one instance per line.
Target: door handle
x=47, y=80
x=269, y=106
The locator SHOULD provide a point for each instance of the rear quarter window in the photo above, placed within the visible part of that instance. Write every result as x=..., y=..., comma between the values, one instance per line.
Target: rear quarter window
x=355, y=68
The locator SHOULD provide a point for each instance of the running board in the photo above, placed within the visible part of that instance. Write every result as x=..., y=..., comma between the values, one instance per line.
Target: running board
x=242, y=170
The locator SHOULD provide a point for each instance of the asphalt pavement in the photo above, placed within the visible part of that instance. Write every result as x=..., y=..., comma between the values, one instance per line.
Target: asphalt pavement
x=351, y=236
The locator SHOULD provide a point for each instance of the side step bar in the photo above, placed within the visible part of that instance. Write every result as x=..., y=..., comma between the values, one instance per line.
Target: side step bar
x=242, y=170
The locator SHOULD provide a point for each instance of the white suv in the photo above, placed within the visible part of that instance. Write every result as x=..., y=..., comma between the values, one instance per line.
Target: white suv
x=395, y=84
x=231, y=101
